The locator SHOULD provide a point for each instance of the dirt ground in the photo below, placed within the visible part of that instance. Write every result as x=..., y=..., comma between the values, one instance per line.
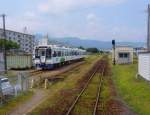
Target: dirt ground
x=116, y=106
x=38, y=97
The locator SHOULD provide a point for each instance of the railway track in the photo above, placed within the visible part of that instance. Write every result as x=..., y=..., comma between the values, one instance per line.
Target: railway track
x=55, y=72
x=100, y=69
x=36, y=72
x=98, y=92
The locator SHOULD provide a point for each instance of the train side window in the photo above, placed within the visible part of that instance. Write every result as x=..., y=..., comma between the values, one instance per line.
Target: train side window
x=36, y=53
x=59, y=53
x=62, y=53
x=54, y=54
x=48, y=53
x=71, y=53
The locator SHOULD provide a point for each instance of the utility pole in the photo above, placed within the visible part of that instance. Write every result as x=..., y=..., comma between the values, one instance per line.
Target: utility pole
x=148, y=30
x=114, y=56
x=4, y=47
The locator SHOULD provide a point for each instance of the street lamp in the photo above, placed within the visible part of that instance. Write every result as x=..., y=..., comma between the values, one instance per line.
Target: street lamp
x=4, y=47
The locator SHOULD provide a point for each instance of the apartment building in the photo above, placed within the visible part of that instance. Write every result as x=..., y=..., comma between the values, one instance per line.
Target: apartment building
x=26, y=41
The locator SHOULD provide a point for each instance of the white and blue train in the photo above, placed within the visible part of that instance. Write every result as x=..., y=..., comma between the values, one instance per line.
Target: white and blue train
x=51, y=56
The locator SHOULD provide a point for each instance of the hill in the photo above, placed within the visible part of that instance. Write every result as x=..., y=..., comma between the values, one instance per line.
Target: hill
x=76, y=42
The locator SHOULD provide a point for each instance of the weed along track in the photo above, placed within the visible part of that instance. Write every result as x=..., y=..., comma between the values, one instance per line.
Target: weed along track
x=87, y=103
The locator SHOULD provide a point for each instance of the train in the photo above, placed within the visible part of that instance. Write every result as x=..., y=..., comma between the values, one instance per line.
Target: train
x=52, y=56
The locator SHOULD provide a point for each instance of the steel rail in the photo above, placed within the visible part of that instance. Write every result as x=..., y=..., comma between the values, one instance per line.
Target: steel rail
x=82, y=91
x=99, y=91
x=36, y=72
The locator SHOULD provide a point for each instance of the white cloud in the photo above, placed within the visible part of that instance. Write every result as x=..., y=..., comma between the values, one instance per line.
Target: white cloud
x=61, y=6
x=30, y=14
x=92, y=27
x=18, y=23
x=91, y=17
x=126, y=33
x=43, y=7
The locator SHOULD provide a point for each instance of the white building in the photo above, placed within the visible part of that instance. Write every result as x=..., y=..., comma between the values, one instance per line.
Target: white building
x=26, y=41
x=139, y=50
x=144, y=65
x=123, y=54
x=43, y=41
x=144, y=58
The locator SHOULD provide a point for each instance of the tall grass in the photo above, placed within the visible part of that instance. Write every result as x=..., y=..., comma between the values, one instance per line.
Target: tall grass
x=135, y=91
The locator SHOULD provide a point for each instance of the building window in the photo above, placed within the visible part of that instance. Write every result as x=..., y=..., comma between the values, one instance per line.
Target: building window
x=126, y=55
x=123, y=55
x=120, y=55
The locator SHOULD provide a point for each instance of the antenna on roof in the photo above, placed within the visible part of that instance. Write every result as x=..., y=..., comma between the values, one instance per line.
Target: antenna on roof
x=25, y=30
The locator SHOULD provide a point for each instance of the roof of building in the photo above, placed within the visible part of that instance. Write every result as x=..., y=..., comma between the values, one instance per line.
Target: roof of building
x=146, y=52
x=17, y=32
x=117, y=46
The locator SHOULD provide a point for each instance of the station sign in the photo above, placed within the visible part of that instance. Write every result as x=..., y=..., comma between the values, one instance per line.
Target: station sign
x=1, y=62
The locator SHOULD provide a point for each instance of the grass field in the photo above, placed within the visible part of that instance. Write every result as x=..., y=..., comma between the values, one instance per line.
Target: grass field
x=7, y=107
x=134, y=91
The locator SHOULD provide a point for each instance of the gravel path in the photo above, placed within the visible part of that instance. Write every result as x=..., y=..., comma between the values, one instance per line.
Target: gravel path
x=38, y=97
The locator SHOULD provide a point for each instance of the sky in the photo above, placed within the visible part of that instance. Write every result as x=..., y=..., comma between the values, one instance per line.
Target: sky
x=103, y=20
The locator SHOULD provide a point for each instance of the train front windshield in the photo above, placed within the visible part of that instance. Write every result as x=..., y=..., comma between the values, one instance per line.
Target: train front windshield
x=42, y=52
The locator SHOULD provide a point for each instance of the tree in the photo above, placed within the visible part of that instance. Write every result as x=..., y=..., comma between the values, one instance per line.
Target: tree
x=92, y=50
x=9, y=44
x=81, y=48
x=101, y=52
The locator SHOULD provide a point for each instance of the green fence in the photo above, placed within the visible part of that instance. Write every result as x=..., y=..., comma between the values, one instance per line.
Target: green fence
x=19, y=61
